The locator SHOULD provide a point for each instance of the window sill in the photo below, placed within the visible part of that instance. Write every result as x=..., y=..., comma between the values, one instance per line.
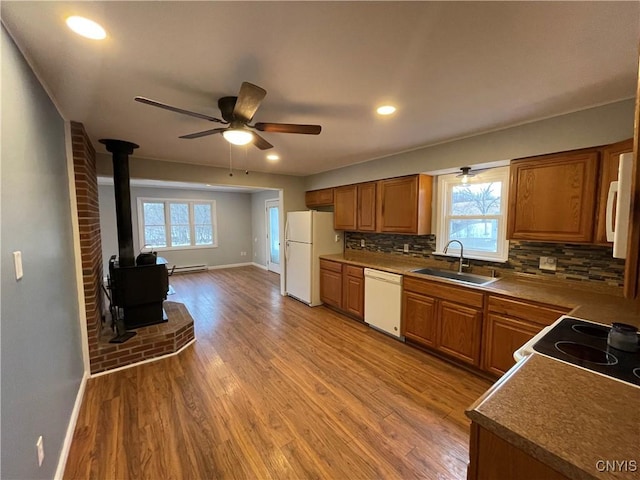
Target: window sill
x=171, y=249
x=472, y=257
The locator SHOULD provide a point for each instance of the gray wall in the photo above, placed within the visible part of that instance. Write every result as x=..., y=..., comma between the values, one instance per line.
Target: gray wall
x=233, y=217
x=42, y=363
x=258, y=227
x=595, y=126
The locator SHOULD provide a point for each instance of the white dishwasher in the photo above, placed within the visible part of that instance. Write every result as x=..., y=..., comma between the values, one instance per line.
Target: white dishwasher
x=383, y=301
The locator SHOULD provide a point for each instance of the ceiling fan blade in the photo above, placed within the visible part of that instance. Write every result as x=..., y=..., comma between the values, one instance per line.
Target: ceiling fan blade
x=248, y=101
x=288, y=128
x=204, y=133
x=154, y=103
x=260, y=142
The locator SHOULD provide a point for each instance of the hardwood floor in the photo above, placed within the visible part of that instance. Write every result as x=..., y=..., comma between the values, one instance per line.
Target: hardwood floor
x=275, y=389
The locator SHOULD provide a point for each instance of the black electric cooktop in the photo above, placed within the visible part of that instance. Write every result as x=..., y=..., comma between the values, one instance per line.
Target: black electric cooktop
x=584, y=343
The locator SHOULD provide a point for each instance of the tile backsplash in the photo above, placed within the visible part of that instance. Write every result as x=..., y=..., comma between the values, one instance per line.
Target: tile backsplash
x=588, y=263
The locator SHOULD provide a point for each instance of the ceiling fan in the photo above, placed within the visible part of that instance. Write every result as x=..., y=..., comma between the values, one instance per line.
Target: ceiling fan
x=237, y=112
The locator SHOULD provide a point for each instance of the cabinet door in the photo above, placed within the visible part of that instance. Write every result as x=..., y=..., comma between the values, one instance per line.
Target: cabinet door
x=399, y=205
x=345, y=208
x=459, y=330
x=331, y=287
x=367, y=207
x=319, y=198
x=608, y=174
x=503, y=336
x=353, y=291
x=552, y=198
x=419, y=318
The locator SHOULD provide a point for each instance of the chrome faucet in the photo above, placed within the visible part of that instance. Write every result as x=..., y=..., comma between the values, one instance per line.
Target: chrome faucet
x=461, y=252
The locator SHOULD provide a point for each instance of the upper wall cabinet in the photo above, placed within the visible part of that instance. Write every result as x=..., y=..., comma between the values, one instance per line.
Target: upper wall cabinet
x=608, y=174
x=552, y=198
x=404, y=205
x=367, y=207
x=345, y=207
x=319, y=198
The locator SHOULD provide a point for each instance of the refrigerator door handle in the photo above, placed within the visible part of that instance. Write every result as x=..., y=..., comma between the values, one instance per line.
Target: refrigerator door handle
x=610, y=220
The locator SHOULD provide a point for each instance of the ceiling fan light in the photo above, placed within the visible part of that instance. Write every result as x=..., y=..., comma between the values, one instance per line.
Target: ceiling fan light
x=465, y=175
x=238, y=136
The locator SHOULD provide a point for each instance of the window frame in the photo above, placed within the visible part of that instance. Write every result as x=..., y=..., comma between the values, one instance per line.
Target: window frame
x=167, y=222
x=443, y=201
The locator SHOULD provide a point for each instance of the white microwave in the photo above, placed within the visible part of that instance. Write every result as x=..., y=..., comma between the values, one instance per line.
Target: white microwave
x=620, y=196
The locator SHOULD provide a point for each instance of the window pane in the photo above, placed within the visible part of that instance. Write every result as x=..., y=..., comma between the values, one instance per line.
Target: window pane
x=153, y=213
x=180, y=235
x=179, y=214
x=155, y=236
x=202, y=214
x=274, y=235
x=204, y=235
x=476, y=199
x=475, y=234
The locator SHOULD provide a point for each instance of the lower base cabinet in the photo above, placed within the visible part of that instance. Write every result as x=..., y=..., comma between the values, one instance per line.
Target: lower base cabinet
x=493, y=458
x=443, y=317
x=509, y=325
x=331, y=283
x=342, y=287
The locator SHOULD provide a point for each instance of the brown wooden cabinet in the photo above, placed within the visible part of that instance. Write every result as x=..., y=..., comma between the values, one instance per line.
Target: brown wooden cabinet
x=353, y=290
x=509, y=324
x=608, y=174
x=443, y=317
x=331, y=283
x=404, y=205
x=345, y=208
x=342, y=287
x=553, y=198
x=366, y=218
x=491, y=458
x=319, y=198
x=419, y=318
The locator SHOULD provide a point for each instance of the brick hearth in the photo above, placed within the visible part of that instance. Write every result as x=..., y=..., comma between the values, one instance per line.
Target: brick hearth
x=150, y=342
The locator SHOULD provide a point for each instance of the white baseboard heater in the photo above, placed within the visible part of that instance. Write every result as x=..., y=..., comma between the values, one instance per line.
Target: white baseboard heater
x=189, y=268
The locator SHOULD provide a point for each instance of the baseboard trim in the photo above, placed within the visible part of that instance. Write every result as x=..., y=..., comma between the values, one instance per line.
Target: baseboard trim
x=263, y=267
x=149, y=360
x=230, y=265
x=71, y=427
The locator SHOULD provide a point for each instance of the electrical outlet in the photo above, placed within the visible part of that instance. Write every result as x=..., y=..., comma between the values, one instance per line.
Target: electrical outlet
x=406, y=248
x=362, y=242
x=337, y=237
x=40, y=450
x=548, y=263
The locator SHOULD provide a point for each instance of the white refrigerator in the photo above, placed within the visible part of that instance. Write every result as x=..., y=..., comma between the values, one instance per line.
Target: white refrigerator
x=308, y=235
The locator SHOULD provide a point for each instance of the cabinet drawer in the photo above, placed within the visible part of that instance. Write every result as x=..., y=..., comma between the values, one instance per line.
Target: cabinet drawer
x=354, y=271
x=543, y=315
x=329, y=265
x=458, y=295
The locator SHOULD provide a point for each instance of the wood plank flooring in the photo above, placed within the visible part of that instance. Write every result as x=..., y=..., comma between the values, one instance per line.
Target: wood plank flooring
x=275, y=389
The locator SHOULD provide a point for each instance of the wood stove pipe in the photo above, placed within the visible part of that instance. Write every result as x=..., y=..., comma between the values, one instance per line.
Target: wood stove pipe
x=120, y=151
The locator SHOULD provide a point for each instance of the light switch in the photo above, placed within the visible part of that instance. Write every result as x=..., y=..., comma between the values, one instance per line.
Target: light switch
x=17, y=261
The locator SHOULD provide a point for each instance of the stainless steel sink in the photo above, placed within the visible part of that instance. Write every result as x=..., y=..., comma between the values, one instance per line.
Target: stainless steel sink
x=459, y=277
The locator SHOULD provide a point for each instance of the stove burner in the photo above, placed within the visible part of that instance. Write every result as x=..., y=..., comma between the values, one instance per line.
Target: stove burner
x=586, y=353
x=592, y=330
x=636, y=372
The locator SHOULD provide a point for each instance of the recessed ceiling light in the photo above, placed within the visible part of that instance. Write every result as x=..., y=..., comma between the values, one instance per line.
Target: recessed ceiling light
x=87, y=28
x=273, y=157
x=386, y=110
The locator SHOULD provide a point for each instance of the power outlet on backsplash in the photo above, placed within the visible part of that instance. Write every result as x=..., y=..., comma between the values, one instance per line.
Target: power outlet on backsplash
x=548, y=263
x=405, y=249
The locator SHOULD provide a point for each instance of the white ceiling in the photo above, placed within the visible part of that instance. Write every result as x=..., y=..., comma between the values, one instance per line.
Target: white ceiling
x=453, y=69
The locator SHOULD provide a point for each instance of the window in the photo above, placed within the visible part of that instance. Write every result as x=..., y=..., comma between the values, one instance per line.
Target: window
x=475, y=213
x=177, y=224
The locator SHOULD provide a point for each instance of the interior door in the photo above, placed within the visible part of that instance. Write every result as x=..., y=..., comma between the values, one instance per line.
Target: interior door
x=273, y=235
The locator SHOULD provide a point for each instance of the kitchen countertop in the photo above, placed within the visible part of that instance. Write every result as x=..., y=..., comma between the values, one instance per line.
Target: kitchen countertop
x=564, y=416
x=601, y=304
